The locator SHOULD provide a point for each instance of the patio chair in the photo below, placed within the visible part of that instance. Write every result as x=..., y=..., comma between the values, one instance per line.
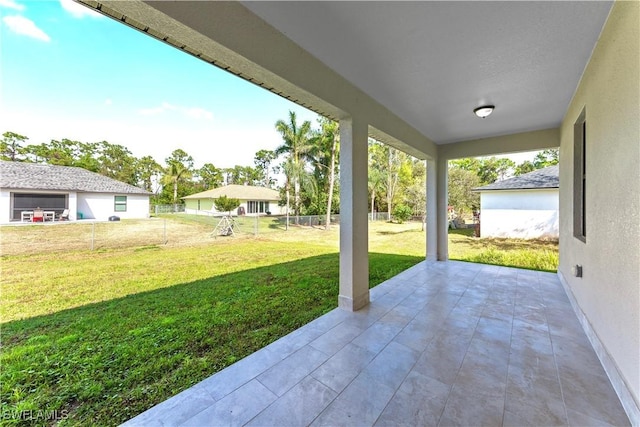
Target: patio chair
x=38, y=215
x=64, y=216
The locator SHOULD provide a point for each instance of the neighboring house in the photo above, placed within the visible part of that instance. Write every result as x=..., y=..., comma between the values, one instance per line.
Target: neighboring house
x=87, y=195
x=524, y=206
x=253, y=200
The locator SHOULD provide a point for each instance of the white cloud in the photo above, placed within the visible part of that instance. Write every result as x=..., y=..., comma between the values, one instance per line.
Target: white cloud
x=77, y=10
x=199, y=113
x=11, y=4
x=108, y=101
x=196, y=113
x=25, y=27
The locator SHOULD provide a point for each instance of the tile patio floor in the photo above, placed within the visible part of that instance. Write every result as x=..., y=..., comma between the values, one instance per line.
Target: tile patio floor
x=441, y=344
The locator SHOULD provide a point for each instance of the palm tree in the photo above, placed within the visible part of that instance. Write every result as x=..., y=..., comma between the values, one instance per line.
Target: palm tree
x=175, y=172
x=325, y=152
x=296, y=144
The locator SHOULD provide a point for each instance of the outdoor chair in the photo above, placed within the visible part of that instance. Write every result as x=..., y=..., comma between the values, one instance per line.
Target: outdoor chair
x=38, y=215
x=64, y=216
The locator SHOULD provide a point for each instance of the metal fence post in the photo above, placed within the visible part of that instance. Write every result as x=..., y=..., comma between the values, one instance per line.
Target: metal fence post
x=164, y=234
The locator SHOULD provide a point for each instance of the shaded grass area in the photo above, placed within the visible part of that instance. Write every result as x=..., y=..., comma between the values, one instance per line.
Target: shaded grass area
x=529, y=254
x=106, y=362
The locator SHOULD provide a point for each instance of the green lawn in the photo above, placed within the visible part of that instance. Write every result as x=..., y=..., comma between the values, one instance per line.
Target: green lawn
x=103, y=335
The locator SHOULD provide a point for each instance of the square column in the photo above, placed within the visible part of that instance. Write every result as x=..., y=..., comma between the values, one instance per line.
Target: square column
x=442, y=172
x=432, y=210
x=354, y=237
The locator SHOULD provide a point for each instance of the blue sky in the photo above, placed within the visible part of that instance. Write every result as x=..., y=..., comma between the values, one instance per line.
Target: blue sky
x=67, y=72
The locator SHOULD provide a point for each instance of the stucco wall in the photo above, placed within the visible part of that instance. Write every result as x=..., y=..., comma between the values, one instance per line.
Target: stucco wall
x=191, y=207
x=101, y=206
x=609, y=292
x=524, y=214
x=5, y=206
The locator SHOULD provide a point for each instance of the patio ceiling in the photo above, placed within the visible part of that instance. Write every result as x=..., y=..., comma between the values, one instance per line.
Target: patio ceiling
x=432, y=63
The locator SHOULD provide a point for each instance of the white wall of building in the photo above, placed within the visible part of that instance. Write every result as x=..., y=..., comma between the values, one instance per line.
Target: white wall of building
x=5, y=206
x=101, y=206
x=522, y=214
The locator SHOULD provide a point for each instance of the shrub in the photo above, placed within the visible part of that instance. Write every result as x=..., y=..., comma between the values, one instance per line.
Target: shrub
x=401, y=213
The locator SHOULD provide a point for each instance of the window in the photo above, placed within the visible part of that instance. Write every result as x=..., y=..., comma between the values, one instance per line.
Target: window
x=257, y=207
x=120, y=204
x=580, y=177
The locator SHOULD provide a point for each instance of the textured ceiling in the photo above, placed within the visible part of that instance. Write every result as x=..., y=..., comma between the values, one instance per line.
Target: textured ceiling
x=432, y=63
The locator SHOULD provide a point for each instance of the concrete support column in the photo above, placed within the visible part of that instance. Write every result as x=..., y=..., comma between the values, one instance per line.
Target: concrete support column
x=354, y=238
x=442, y=214
x=432, y=210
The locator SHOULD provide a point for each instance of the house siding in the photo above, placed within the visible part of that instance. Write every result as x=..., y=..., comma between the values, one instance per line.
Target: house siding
x=524, y=214
x=101, y=206
x=608, y=294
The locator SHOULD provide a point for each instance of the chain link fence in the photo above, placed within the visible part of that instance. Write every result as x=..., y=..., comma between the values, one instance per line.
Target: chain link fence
x=165, y=229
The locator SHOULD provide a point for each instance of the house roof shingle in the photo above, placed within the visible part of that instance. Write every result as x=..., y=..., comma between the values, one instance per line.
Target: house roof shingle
x=33, y=176
x=542, y=178
x=242, y=192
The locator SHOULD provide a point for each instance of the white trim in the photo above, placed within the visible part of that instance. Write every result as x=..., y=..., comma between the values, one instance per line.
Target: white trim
x=617, y=381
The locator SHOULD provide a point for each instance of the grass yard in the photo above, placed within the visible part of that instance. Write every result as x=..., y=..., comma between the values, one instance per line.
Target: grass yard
x=102, y=335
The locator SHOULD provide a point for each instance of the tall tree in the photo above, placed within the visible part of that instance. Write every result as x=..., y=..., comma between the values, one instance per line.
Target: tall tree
x=263, y=160
x=210, y=176
x=296, y=145
x=524, y=167
x=11, y=147
x=179, y=168
x=148, y=172
x=374, y=184
x=546, y=158
x=241, y=175
x=460, y=185
x=117, y=162
x=324, y=155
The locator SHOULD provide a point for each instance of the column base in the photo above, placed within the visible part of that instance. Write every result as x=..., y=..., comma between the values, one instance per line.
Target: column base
x=353, y=304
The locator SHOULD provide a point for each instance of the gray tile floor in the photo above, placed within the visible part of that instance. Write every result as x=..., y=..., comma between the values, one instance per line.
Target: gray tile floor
x=441, y=344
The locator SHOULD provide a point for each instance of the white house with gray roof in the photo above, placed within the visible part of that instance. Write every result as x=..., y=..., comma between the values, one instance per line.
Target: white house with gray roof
x=88, y=195
x=524, y=206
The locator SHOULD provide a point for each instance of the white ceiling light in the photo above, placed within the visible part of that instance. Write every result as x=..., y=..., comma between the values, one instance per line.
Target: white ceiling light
x=484, y=111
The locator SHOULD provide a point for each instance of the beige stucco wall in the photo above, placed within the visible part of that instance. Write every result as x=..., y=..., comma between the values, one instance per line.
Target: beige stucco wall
x=609, y=292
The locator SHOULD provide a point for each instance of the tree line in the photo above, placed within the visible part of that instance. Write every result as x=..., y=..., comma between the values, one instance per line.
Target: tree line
x=308, y=158
x=178, y=177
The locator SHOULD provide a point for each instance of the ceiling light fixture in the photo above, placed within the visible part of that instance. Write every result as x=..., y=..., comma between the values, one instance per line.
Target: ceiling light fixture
x=484, y=111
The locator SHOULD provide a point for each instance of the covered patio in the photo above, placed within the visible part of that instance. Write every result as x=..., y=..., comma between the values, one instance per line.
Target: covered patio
x=448, y=344
x=444, y=343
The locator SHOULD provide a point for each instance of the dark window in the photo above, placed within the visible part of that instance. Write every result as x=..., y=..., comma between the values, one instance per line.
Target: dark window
x=580, y=178
x=120, y=204
x=30, y=201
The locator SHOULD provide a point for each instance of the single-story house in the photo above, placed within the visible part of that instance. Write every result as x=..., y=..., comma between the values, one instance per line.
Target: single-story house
x=524, y=206
x=87, y=195
x=253, y=200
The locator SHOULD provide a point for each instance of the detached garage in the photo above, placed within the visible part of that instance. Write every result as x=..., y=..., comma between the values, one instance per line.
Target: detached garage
x=25, y=187
x=524, y=206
